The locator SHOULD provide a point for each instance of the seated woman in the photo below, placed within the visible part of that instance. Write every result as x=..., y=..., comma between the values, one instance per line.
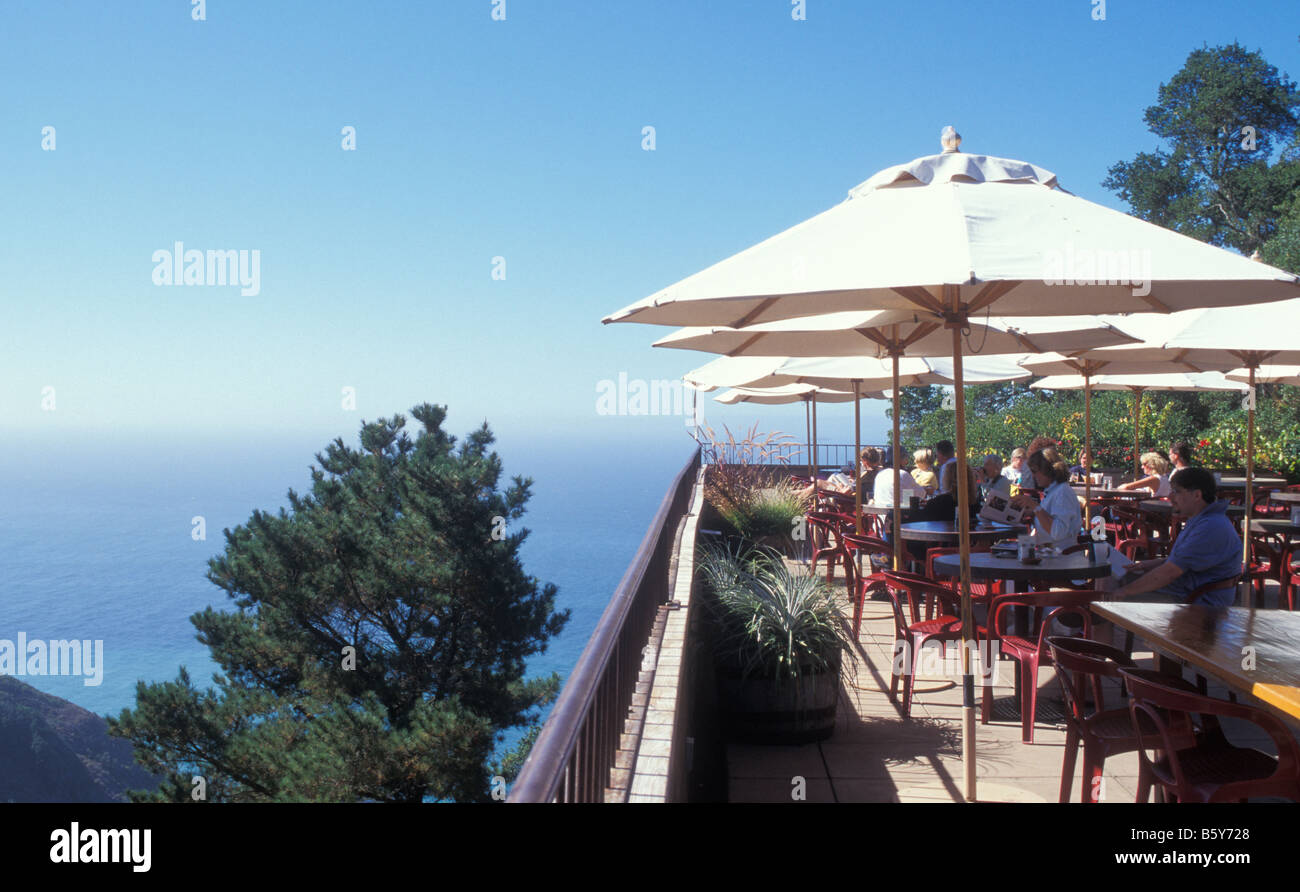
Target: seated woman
x=871, y=460
x=924, y=472
x=1057, y=518
x=883, y=494
x=1157, y=479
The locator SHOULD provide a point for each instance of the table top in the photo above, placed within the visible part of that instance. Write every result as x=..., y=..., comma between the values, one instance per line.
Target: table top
x=1240, y=482
x=1160, y=506
x=1215, y=639
x=1061, y=568
x=946, y=531
x=1098, y=492
x=1284, y=497
x=1280, y=525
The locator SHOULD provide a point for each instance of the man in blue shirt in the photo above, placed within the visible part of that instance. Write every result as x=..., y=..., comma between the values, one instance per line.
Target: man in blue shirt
x=1207, y=550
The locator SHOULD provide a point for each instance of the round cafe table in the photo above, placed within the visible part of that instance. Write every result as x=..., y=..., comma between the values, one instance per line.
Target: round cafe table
x=946, y=531
x=1058, y=568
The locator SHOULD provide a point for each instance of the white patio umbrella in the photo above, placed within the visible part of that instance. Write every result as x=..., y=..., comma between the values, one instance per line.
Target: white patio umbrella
x=1136, y=385
x=822, y=336
x=945, y=238
x=1214, y=339
x=865, y=334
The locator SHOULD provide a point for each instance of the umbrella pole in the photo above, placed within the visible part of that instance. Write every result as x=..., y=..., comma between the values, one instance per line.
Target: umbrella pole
x=1248, y=598
x=807, y=438
x=1087, y=448
x=898, y=474
x=857, y=459
x=1137, y=437
x=967, y=618
x=816, y=467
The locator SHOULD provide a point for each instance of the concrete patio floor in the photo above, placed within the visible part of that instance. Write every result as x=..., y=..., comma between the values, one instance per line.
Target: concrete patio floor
x=879, y=755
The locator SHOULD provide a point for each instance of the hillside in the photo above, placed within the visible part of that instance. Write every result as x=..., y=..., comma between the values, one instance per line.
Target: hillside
x=55, y=751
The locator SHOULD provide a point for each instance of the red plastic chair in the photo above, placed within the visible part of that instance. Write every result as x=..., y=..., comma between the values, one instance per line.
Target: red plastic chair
x=826, y=532
x=1080, y=664
x=1291, y=587
x=980, y=592
x=1213, y=770
x=914, y=633
x=1270, y=558
x=1031, y=653
x=866, y=547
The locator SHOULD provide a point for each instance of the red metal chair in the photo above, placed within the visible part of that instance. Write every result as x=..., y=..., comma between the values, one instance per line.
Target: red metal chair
x=911, y=635
x=1080, y=664
x=878, y=554
x=1213, y=770
x=1031, y=653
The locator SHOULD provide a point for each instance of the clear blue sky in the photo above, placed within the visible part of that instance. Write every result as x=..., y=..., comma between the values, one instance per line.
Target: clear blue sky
x=478, y=138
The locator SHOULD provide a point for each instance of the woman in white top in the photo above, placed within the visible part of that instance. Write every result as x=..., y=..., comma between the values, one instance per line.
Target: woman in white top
x=1157, y=480
x=883, y=495
x=1057, y=519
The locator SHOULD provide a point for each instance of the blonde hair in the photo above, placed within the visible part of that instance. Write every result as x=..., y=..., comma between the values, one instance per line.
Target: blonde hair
x=924, y=458
x=1156, y=462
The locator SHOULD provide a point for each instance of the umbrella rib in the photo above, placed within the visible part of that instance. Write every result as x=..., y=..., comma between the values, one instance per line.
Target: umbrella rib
x=748, y=317
x=746, y=344
x=921, y=331
x=990, y=293
x=1164, y=308
x=1024, y=339
x=922, y=298
x=874, y=336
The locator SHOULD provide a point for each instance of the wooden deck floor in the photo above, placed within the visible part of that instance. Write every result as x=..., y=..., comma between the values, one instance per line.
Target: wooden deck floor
x=878, y=755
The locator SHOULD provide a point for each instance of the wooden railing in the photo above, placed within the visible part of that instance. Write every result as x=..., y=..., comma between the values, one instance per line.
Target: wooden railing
x=572, y=756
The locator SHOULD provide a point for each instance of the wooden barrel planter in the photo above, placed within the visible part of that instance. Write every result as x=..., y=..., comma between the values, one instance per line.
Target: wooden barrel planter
x=758, y=710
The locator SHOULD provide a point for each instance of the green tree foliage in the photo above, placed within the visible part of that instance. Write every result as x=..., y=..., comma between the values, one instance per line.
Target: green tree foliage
x=401, y=552
x=1212, y=422
x=1223, y=117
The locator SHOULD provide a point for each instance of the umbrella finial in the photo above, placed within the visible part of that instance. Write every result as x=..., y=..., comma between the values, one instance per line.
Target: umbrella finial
x=950, y=138
x=1255, y=255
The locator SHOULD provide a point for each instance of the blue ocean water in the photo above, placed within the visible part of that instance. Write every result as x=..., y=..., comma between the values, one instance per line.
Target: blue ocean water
x=95, y=542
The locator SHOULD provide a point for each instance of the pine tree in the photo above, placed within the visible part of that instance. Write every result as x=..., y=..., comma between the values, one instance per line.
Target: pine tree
x=379, y=645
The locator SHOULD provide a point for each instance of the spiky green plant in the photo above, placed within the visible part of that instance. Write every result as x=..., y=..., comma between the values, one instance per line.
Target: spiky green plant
x=774, y=623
